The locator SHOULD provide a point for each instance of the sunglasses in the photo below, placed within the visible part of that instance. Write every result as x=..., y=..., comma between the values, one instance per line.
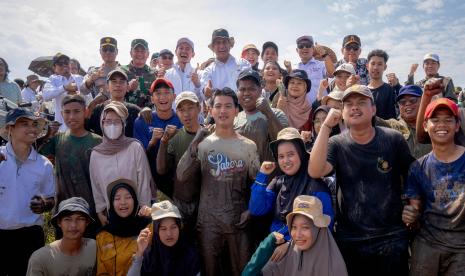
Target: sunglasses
x=166, y=57
x=352, y=47
x=304, y=45
x=108, y=49
x=404, y=102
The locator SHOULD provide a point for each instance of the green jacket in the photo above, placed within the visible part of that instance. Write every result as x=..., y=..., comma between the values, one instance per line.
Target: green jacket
x=261, y=256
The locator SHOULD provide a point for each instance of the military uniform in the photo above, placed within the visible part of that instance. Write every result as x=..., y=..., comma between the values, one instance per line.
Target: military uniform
x=145, y=76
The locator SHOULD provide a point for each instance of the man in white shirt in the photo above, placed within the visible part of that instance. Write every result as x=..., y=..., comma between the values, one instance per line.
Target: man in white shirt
x=60, y=84
x=224, y=70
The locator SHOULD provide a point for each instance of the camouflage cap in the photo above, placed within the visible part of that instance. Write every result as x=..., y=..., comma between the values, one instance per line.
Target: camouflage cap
x=139, y=41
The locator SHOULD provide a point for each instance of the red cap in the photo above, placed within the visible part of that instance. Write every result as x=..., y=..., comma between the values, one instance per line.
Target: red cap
x=441, y=102
x=159, y=81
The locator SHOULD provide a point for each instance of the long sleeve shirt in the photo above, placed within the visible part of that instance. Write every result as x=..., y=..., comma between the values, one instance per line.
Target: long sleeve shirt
x=181, y=80
x=10, y=90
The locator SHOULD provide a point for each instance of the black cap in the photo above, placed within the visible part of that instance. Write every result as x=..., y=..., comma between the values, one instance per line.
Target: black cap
x=249, y=74
x=139, y=41
x=351, y=39
x=14, y=114
x=155, y=55
x=269, y=44
x=58, y=57
x=71, y=205
x=166, y=52
x=117, y=71
x=298, y=74
x=73, y=99
x=110, y=41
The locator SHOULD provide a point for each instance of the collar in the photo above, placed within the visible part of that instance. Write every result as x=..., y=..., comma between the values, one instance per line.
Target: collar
x=313, y=60
x=10, y=151
x=131, y=67
x=186, y=70
x=228, y=61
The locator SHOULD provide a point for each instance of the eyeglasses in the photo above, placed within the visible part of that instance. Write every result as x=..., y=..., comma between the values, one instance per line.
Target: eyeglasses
x=410, y=101
x=108, y=49
x=111, y=122
x=304, y=45
x=166, y=57
x=352, y=47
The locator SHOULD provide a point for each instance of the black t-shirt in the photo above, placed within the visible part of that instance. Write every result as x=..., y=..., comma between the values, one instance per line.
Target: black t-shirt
x=385, y=101
x=369, y=178
x=93, y=124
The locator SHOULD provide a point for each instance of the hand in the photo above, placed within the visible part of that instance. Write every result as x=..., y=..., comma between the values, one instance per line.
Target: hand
x=146, y=114
x=206, y=63
x=318, y=52
x=195, y=77
x=99, y=99
x=201, y=134
x=170, y=131
x=288, y=65
x=413, y=69
x=324, y=84
x=143, y=241
x=333, y=118
x=433, y=87
x=263, y=105
x=279, y=252
x=133, y=85
x=161, y=72
x=410, y=214
x=267, y=167
x=282, y=102
x=392, y=79
x=306, y=135
x=279, y=238
x=352, y=80
x=103, y=218
x=208, y=90
x=245, y=217
x=37, y=204
x=157, y=133
x=145, y=211
x=71, y=87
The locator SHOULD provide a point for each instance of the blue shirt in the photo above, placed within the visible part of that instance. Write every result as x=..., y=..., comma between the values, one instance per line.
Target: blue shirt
x=143, y=132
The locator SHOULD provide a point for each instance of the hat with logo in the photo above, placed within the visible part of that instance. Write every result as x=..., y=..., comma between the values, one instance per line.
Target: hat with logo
x=431, y=56
x=117, y=71
x=305, y=38
x=345, y=67
x=441, y=102
x=59, y=57
x=160, y=81
x=221, y=33
x=185, y=40
x=249, y=74
x=413, y=90
x=139, y=41
x=165, y=209
x=71, y=205
x=358, y=89
x=312, y=208
x=108, y=41
x=186, y=96
x=351, y=39
x=298, y=74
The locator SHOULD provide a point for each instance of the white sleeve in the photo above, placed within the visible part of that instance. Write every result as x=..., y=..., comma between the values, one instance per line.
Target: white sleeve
x=51, y=90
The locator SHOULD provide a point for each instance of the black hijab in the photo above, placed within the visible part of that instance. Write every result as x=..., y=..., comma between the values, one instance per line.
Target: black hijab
x=162, y=260
x=129, y=226
x=288, y=187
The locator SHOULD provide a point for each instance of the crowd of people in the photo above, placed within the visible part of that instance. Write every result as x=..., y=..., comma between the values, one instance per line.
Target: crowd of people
x=233, y=166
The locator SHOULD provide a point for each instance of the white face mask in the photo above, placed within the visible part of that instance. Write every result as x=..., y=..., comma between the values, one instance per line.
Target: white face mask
x=113, y=131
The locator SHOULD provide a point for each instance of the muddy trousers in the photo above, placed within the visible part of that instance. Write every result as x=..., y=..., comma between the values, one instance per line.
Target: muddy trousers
x=17, y=246
x=428, y=260
x=224, y=253
x=380, y=257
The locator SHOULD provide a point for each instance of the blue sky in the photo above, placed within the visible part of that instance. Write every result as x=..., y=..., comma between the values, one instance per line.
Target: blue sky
x=405, y=29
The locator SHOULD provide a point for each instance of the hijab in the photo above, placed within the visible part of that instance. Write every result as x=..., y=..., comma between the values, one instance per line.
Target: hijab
x=113, y=146
x=323, y=258
x=129, y=226
x=297, y=110
x=162, y=260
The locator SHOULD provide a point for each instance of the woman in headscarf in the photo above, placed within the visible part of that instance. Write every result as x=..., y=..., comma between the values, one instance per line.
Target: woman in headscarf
x=312, y=250
x=163, y=250
x=118, y=157
x=116, y=242
x=294, y=103
x=291, y=180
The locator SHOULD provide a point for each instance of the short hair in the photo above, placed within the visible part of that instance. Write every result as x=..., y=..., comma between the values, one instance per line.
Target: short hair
x=254, y=80
x=7, y=70
x=77, y=63
x=73, y=99
x=228, y=92
x=378, y=53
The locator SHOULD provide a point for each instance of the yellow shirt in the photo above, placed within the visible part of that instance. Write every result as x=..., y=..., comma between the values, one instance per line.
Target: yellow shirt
x=114, y=254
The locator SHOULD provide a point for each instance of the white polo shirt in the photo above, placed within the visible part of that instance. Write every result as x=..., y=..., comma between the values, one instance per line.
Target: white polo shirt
x=316, y=71
x=19, y=182
x=224, y=74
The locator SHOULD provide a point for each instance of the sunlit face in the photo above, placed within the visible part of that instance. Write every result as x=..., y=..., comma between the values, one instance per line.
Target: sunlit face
x=139, y=55
x=166, y=61
x=73, y=226
x=123, y=203
x=431, y=67
x=301, y=232
x=442, y=126
x=74, y=115
x=341, y=80
x=25, y=130
x=224, y=111
x=168, y=232
x=221, y=47
x=320, y=117
x=188, y=113
x=184, y=53
x=408, y=107
x=358, y=110
x=351, y=52
x=288, y=158
x=118, y=86
x=249, y=92
x=376, y=66
x=305, y=50
x=270, y=54
x=163, y=99
x=296, y=87
x=251, y=55
x=271, y=72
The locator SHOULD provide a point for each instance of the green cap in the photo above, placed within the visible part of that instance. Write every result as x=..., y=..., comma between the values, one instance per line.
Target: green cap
x=139, y=41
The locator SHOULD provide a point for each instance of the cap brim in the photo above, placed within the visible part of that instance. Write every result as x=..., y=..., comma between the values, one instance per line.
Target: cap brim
x=137, y=44
x=75, y=208
x=107, y=44
x=231, y=41
x=346, y=95
x=274, y=146
x=443, y=105
x=321, y=221
x=42, y=121
x=167, y=215
x=307, y=81
x=184, y=100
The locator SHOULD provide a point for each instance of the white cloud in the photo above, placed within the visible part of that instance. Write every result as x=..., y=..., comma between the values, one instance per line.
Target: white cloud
x=341, y=7
x=429, y=6
x=386, y=10
x=407, y=19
